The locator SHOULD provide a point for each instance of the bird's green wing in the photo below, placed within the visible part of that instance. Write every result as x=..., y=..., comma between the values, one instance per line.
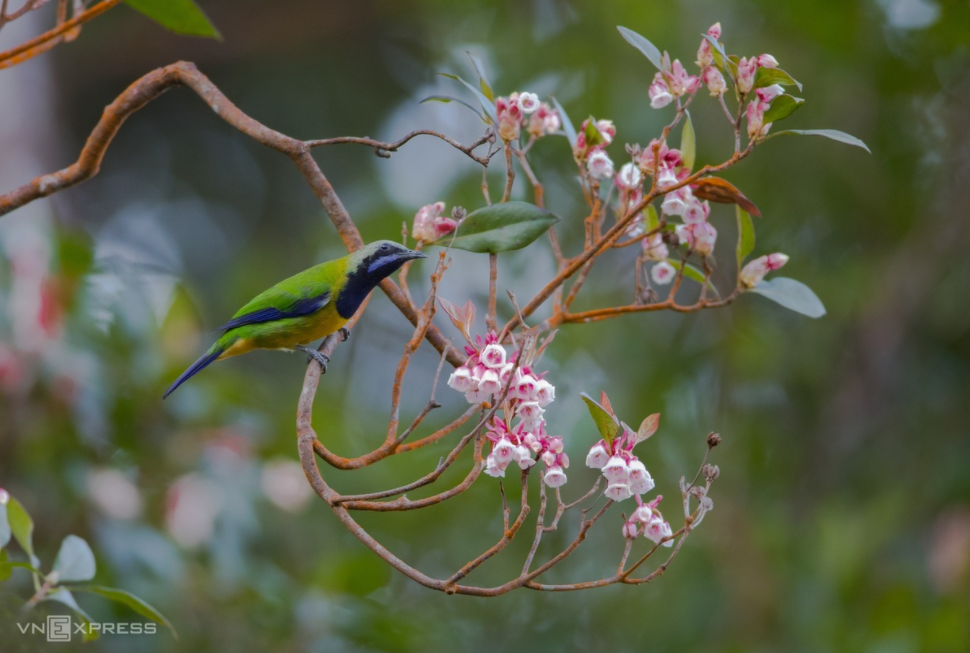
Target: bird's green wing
x=302, y=294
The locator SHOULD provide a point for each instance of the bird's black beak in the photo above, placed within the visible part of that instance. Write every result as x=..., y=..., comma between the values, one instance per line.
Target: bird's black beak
x=413, y=254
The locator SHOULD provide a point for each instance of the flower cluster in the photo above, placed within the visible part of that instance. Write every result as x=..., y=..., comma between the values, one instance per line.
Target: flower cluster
x=755, y=111
x=590, y=146
x=646, y=520
x=512, y=112
x=755, y=270
x=710, y=75
x=484, y=377
x=670, y=83
x=430, y=224
x=624, y=472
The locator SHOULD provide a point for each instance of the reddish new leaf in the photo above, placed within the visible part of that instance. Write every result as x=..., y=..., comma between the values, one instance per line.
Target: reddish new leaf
x=648, y=427
x=718, y=190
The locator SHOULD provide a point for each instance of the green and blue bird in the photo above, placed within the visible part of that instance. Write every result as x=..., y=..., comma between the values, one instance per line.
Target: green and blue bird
x=308, y=306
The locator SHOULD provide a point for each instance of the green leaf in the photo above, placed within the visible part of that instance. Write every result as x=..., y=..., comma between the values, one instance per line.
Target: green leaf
x=641, y=43
x=605, y=423
x=567, y=124
x=6, y=568
x=62, y=595
x=482, y=79
x=688, y=142
x=692, y=273
x=500, y=228
x=5, y=531
x=721, y=59
x=180, y=16
x=745, y=234
x=592, y=133
x=22, y=527
x=768, y=76
x=833, y=134
x=447, y=98
x=653, y=220
x=791, y=294
x=74, y=561
x=127, y=598
x=782, y=107
x=487, y=105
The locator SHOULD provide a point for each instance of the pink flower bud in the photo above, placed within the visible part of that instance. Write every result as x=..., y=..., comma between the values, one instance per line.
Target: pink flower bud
x=746, y=72
x=599, y=165
x=715, y=81
x=659, y=93
x=524, y=387
x=531, y=441
x=714, y=31
x=767, y=61
x=654, y=248
x=528, y=102
x=545, y=393
x=629, y=177
x=607, y=130
x=555, y=444
x=554, y=477
x=503, y=377
x=631, y=529
x=667, y=177
x=662, y=273
x=704, y=236
x=424, y=222
x=755, y=114
x=776, y=260
x=618, y=491
x=616, y=470
x=681, y=82
x=493, y=356
x=769, y=93
x=548, y=458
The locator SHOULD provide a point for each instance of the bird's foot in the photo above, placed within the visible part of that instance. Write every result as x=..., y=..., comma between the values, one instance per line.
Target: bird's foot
x=344, y=334
x=316, y=355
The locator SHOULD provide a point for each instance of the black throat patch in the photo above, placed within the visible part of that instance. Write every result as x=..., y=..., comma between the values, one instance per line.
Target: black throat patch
x=370, y=272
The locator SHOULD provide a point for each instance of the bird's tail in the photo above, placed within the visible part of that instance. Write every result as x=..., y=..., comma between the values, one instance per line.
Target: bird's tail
x=210, y=356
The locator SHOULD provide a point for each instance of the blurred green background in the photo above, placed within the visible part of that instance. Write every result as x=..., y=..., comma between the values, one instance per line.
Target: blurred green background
x=842, y=515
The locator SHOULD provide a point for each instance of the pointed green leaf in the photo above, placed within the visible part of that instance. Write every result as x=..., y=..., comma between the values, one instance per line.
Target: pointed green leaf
x=62, y=595
x=487, y=105
x=127, y=598
x=592, y=133
x=482, y=79
x=447, y=98
x=745, y=235
x=605, y=422
x=721, y=59
x=500, y=228
x=74, y=561
x=180, y=16
x=567, y=124
x=642, y=44
x=653, y=220
x=782, y=107
x=791, y=294
x=833, y=134
x=688, y=143
x=22, y=527
x=768, y=76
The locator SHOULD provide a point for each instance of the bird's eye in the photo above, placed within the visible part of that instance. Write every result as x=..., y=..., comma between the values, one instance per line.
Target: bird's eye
x=385, y=247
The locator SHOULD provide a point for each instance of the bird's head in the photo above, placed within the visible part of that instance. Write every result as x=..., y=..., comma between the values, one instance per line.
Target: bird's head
x=382, y=258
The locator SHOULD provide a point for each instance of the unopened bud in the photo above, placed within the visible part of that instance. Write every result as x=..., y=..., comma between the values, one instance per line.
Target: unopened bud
x=458, y=213
x=711, y=472
x=713, y=440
